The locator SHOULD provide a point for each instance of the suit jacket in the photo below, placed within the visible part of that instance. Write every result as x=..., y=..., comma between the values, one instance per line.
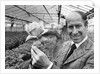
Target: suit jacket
x=81, y=58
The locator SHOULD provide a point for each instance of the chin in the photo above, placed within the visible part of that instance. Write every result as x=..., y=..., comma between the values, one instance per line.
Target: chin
x=77, y=41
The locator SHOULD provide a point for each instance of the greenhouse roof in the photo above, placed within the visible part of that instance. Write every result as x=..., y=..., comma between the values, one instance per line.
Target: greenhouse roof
x=47, y=13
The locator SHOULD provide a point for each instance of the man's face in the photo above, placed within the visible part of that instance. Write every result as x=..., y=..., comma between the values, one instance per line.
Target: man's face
x=76, y=28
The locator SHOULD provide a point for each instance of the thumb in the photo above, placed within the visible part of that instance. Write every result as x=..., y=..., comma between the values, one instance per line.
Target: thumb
x=36, y=50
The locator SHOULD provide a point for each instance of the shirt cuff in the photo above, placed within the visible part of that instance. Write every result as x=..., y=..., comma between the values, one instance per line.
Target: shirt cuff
x=50, y=66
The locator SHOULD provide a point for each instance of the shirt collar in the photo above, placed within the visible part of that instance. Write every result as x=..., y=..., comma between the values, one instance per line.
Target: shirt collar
x=78, y=44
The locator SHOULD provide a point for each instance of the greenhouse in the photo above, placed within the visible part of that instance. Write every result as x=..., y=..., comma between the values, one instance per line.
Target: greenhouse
x=47, y=20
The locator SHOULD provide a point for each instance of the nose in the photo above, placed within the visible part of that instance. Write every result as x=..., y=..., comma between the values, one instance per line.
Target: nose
x=75, y=31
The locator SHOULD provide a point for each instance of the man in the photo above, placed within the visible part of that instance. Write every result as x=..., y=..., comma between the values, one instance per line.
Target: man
x=78, y=53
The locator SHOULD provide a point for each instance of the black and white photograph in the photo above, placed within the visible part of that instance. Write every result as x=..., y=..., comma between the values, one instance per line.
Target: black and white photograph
x=43, y=36
x=39, y=36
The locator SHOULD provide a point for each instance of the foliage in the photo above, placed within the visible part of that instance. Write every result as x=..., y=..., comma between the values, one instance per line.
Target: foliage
x=14, y=39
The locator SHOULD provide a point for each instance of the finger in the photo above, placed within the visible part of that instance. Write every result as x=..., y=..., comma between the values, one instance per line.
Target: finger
x=33, y=61
x=36, y=50
x=34, y=55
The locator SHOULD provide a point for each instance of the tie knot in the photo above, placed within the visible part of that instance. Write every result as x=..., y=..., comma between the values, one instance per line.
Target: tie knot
x=73, y=46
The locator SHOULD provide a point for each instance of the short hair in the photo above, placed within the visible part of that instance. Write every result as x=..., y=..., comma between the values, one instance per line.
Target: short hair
x=84, y=17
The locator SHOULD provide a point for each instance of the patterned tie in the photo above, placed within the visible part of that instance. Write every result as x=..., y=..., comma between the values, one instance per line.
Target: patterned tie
x=73, y=47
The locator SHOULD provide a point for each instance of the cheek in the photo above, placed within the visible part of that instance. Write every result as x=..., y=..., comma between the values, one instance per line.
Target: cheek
x=69, y=31
x=82, y=30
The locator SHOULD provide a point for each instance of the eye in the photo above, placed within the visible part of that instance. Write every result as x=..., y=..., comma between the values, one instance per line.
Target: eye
x=78, y=26
x=70, y=27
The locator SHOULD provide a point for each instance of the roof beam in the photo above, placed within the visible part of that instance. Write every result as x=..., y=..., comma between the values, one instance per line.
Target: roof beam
x=90, y=11
x=83, y=7
x=77, y=8
x=66, y=8
x=47, y=11
x=59, y=13
x=22, y=10
x=89, y=6
x=30, y=13
x=8, y=8
x=11, y=17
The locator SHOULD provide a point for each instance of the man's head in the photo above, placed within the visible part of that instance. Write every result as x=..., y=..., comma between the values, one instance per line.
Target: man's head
x=77, y=26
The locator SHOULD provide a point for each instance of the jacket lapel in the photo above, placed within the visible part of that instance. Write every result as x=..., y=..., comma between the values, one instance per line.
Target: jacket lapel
x=62, y=52
x=82, y=50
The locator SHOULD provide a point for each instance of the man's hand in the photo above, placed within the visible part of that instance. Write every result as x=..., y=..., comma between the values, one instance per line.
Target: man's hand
x=39, y=59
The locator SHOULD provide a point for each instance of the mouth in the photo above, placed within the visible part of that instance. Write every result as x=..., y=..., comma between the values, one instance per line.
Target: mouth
x=76, y=37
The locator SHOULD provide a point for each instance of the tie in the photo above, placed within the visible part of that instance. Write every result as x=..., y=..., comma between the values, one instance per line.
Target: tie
x=73, y=47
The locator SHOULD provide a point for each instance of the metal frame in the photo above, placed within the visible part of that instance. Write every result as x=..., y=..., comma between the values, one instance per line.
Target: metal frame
x=47, y=12
x=30, y=13
x=46, y=16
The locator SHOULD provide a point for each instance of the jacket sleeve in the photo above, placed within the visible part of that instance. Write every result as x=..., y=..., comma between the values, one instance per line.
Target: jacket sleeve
x=89, y=62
